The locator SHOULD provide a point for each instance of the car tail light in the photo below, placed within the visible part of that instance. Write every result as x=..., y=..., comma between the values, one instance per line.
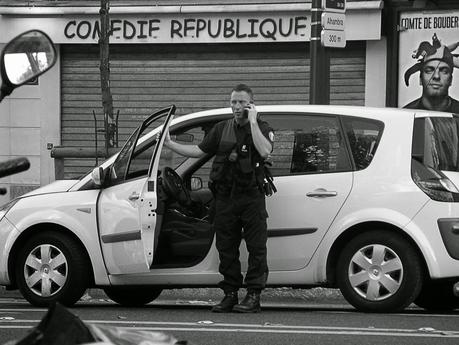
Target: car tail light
x=434, y=183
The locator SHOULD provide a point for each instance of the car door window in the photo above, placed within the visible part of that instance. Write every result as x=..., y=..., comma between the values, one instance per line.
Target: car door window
x=134, y=158
x=307, y=144
x=143, y=152
x=189, y=135
x=118, y=170
x=135, y=165
x=141, y=157
x=363, y=136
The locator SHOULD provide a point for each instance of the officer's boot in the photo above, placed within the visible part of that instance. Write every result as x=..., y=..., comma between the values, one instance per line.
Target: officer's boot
x=227, y=303
x=250, y=304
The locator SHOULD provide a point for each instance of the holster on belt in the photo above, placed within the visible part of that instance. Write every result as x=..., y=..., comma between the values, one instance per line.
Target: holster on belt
x=268, y=183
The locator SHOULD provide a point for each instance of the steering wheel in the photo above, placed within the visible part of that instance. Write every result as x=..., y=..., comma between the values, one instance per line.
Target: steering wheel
x=174, y=187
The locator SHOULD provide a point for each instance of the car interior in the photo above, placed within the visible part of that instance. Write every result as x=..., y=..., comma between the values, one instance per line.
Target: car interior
x=186, y=233
x=184, y=204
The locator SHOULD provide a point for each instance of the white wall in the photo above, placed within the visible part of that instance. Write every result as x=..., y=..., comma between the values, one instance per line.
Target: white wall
x=50, y=119
x=375, y=73
x=29, y=119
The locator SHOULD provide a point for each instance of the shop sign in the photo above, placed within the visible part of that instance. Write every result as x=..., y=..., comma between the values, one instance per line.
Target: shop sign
x=253, y=27
x=193, y=29
x=428, y=58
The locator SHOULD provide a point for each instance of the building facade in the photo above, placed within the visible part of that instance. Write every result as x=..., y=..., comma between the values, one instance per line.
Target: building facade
x=176, y=52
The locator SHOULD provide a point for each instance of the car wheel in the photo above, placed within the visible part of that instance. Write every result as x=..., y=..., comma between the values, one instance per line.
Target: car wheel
x=51, y=267
x=437, y=296
x=132, y=296
x=379, y=271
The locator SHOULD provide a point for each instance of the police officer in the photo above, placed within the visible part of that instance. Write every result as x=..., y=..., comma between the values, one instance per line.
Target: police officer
x=240, y=146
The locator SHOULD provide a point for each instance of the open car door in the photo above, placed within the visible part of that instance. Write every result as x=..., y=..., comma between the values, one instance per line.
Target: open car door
x=149, y=197
x=127, y=215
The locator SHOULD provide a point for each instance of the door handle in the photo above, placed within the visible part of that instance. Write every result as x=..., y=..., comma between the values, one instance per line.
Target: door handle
x=134, y=196
x=321, y=193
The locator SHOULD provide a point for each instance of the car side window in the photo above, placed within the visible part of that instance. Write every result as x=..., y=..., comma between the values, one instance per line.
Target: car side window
x=307, y=144
x=363, y=136
x=140, y=160
x=143, y=152
x=118, y=170
x=192, y=135
x=189, y=136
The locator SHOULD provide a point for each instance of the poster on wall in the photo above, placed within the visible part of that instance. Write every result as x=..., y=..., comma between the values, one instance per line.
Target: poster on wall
x=429, y=61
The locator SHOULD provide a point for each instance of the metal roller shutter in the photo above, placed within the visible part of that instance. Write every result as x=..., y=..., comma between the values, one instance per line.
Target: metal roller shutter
x=145, y=78
x=347, y=75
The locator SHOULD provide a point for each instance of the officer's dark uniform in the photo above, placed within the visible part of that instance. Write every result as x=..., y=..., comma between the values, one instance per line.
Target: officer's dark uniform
x=239, y=203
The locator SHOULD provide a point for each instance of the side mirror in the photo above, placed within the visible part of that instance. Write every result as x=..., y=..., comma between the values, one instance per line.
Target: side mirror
x=196, y=183
x=98, y=176
x=24, y=58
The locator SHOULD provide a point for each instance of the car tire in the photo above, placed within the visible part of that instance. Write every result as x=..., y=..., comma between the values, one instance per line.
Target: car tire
x=52, y=267
x=132, y=296
x=437, y=296
x=379, y=271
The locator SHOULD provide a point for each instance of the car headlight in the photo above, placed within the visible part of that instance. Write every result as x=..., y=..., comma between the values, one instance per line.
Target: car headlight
x=6, y=207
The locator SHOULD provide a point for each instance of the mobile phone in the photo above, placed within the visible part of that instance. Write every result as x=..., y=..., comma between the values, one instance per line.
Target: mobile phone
x=245, y=113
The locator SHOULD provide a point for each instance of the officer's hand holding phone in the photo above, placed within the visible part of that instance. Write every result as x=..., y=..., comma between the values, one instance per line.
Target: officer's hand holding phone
x=250, y=112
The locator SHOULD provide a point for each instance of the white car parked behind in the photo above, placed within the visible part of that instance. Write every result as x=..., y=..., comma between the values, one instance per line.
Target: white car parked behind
x=367, y=201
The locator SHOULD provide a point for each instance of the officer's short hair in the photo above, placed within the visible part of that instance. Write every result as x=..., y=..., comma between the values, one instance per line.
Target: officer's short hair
x=245, y=88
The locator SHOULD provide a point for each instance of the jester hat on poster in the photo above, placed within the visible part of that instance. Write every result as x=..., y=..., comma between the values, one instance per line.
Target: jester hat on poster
x=431, y=52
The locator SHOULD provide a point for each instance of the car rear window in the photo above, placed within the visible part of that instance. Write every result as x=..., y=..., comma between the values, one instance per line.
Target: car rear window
x=435, y=142
x=307, y=144
x=363, y=136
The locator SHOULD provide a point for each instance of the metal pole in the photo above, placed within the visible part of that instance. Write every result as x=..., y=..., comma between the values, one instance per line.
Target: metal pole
x=319, y=84
x=107, y=99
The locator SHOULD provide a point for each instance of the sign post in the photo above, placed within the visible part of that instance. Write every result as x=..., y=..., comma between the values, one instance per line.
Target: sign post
x=319, y=83
x=327, y=27
x=333, y=24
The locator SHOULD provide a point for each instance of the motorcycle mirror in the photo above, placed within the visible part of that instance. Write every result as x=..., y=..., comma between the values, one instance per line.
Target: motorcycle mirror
x=14, y=166
x=24, y=58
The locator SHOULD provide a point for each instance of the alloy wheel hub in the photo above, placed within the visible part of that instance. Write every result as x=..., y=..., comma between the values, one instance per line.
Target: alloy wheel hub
x=45, y=270
x=375, y=272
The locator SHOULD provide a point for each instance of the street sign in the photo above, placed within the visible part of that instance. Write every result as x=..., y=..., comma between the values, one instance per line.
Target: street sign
x=333, y=38
x=333, y=21
x=334, y=5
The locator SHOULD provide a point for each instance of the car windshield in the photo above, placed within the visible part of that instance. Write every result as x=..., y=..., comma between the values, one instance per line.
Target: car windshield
x=436, y=142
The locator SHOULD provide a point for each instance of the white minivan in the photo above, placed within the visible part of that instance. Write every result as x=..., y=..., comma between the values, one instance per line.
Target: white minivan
x=366, y=201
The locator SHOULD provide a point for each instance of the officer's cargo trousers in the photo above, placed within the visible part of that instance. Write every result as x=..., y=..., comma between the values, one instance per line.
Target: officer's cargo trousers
x=237, y=216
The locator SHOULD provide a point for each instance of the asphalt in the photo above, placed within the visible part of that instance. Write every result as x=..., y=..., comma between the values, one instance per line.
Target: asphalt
x=202, y=296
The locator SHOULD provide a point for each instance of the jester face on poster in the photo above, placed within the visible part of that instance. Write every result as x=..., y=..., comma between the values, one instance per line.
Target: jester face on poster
x=433, y=62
